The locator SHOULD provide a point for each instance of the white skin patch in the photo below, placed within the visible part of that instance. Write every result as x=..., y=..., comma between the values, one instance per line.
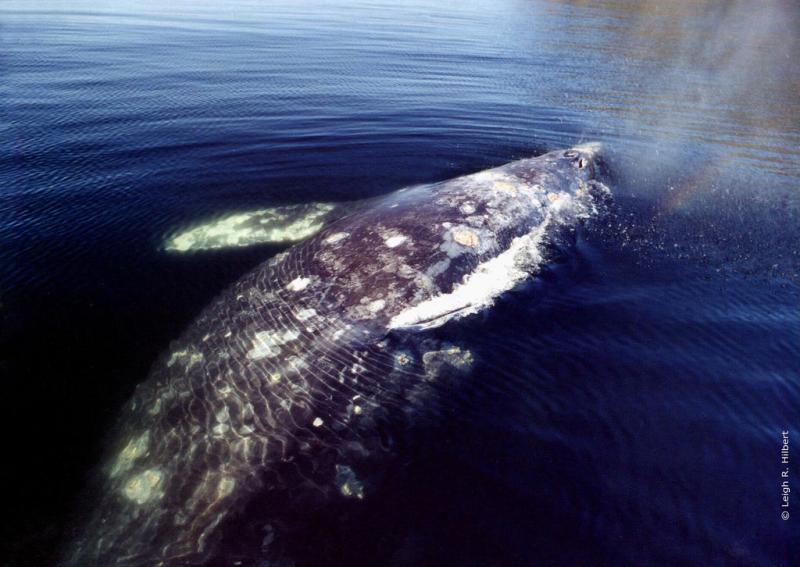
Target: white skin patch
x=290, y=335
x=348, y=482
x=337, y=237
x=395, y=241
x=175, y=356
x=155, y=408
x=505, y=187
x=267, y=343
x=297, y=363
x=194, y=358
x=306, y=314
x=263, y=346
x=278, y=258
x=377, y=305
x=189, y=358
x=133, y=450
x=317, y=422
x=298, y=284
x=225, y=487
x=484, y=176
x=467, y=208
x=143, y=486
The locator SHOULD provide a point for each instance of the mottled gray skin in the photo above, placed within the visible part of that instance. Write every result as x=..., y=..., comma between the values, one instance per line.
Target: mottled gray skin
x=287, y=388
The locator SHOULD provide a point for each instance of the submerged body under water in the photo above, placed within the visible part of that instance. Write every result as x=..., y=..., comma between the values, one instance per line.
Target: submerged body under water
x=626, y=407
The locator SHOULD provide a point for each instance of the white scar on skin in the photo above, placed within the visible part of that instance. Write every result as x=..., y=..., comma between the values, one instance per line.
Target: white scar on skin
x=289, y=223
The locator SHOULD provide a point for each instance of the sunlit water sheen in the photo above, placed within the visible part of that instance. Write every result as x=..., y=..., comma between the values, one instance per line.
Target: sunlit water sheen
x=626, y=408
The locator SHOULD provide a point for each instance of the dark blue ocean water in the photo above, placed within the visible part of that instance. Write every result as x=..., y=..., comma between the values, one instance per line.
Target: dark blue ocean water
x=627, y=409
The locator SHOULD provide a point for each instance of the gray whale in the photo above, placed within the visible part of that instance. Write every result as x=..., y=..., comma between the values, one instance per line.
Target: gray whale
x=284, y=393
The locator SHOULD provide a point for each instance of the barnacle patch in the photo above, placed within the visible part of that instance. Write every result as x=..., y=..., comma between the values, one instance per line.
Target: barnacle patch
x=466, y=237
x=298, y=284
x=467, y=208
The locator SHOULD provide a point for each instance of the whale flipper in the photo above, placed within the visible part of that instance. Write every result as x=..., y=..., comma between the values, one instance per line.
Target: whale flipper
x=272, y=225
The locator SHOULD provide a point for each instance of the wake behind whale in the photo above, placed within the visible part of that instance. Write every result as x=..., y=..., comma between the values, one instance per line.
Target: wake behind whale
x=284, y=396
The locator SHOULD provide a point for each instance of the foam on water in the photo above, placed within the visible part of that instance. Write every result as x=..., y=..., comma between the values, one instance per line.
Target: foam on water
x=492, y=278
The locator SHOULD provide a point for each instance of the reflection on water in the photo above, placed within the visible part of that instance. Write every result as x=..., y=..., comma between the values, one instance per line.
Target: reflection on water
x=658, y=371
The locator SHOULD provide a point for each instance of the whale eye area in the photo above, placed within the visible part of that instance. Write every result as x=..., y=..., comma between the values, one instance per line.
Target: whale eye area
x=570, y=154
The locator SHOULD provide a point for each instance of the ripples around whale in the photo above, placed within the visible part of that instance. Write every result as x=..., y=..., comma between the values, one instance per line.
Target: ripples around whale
x=625, y=406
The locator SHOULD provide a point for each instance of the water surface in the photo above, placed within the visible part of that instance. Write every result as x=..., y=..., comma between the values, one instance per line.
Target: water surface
x=626, y=409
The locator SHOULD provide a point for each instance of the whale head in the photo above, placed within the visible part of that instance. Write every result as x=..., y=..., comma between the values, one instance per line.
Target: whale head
x=561, y=183
x=507, y=223
x=568, y=170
